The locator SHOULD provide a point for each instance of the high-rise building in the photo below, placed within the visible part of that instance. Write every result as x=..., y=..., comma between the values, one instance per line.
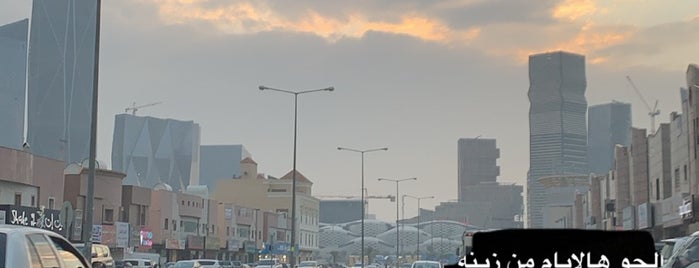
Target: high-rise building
x=61, y=75
x=608, y=125
x=153, y=150
x=220, y=162
x=477, y=163
x=557, y=124
x=638, y=167
x=13, y=77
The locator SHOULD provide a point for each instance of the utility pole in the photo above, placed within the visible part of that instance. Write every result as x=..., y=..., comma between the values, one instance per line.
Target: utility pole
x=89, y=202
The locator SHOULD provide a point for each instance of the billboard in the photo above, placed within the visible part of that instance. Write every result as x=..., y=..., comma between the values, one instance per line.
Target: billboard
x=47, y=219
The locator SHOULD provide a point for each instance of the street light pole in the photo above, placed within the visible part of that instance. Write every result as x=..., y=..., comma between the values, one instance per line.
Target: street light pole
x=293, y=172
x=89, y=202
x=362, y=152
x=397, y=215
x=418, y=219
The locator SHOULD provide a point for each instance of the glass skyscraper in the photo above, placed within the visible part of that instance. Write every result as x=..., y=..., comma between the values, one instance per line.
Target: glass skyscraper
x=608, y=125
x=557, y=124
x=13, y=77
x=60, y=81
x=154, y=150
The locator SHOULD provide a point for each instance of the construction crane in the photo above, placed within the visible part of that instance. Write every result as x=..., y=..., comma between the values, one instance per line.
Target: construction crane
x=135, y=108
x=652, y=112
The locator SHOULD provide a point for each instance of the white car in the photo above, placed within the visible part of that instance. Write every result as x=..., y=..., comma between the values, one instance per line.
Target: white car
x=269, y=263
x=139, y=263
x=197, y=264
x=426, y=264
x=308, y=264
x=33, y=247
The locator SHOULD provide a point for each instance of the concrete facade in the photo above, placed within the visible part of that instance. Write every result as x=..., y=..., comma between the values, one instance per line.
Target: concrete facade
x=25, y=168
x=557, y=123
x=659, y=165
x=640, y=191
x=679, y=162
x=252, y=189
x=107, y=202
x=13, y=82
x=489, y=205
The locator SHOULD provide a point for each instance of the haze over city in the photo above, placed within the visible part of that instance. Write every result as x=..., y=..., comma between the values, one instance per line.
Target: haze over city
x=413, y=76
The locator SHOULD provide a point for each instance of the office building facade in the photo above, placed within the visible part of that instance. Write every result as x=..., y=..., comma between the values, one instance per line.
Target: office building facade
x=13, y=77
x=153, y=150
x=477, y=163
x=557, y=124
x=61, y=78
x=220, y=162
x=608, y=125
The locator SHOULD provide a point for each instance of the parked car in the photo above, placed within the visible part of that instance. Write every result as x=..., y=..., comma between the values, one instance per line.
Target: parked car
x=426, y=264
x=309, y=264
x=33, y=247
x=101, y=255
x=269, y=263
x=197, y=264
x=139, y=263
x=226, y=264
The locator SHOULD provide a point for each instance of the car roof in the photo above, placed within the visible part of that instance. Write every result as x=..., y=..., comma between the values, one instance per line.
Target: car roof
x=136, y=259
x=673, y=240
x=8, y=228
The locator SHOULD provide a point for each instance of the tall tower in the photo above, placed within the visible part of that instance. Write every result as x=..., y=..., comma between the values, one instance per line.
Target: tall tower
x=477, y=163
x=13, y=77
x=557, y=124
x=61, y=74
x=608, y=125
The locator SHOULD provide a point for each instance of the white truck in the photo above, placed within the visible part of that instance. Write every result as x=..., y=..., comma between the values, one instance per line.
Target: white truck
x=155, y=258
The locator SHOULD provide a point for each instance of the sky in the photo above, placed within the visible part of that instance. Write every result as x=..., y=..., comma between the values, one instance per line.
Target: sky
x=410, y=75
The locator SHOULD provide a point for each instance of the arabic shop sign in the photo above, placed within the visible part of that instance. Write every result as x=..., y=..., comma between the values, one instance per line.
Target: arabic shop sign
x=47, y=219
x=579, y=258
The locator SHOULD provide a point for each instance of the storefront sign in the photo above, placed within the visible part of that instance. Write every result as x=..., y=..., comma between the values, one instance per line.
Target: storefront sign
x=122, y=234
x=233, y=245
x=78, y=225
x=213, y=243
x=109, y=235
x=628, y=216
x=645, y=216
x=97, y=234
x=146, y=238
x=195, y=242
x=686, y=210
x=47, y=219
x=250, y=247
x=175, y=244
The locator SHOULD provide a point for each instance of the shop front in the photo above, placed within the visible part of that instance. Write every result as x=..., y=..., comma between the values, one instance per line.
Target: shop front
x=194, y=248
x=174, y=249
x=233, y=247
x=212, y=245
x=250, y=251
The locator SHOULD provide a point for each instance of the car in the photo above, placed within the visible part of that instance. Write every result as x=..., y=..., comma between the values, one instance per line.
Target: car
x=139, y=263
x=269, y=263
x=201, y=263
x=670, y=247
x=309, y=264
x=426, y=264
x=33, y=247
x=101, y=255
x=226, y=264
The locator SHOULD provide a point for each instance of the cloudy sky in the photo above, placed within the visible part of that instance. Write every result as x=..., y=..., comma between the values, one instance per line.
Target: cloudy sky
x=412, y=75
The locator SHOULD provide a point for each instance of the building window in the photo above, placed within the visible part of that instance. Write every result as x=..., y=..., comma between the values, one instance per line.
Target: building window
x=174, y=225
x=167, y=222
x=657, y=189
x=52, y=202
x=677, y=177
x=228, y=231
x=33, y=201
x=213, y=229
x=143, y=215
x=685, y=172
x=108, y=215
x=18, y=199
x=183, y=202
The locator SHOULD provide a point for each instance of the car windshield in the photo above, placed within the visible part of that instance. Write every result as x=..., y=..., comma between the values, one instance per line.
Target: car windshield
x=266, y=262
x=307, y=263
x=207, y=262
